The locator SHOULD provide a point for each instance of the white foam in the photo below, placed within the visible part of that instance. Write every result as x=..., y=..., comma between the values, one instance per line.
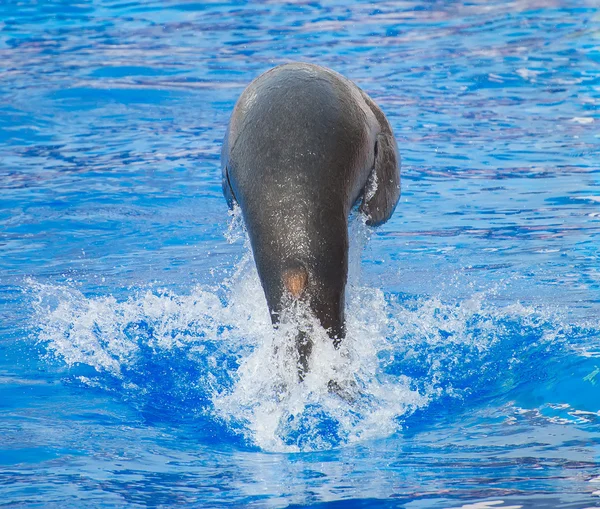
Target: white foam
x=255, y=391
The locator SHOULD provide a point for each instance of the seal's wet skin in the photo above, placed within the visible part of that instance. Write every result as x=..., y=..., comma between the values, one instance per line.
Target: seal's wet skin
x=303, y=145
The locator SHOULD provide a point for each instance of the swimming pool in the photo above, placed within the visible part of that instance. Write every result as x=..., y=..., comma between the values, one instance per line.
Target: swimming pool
x=133, y=330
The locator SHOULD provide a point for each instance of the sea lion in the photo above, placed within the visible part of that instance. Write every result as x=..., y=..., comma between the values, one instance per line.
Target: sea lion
x=303, y=145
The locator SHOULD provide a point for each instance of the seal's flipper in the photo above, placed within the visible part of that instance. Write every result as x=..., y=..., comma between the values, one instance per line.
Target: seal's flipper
x=382, y=191
x=225, y=183
x=227, y=191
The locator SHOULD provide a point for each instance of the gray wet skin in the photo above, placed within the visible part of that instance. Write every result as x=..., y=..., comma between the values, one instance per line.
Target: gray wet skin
x=303, y=145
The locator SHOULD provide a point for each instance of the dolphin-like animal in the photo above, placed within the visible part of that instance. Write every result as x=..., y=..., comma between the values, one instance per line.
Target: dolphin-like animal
x=303, y=145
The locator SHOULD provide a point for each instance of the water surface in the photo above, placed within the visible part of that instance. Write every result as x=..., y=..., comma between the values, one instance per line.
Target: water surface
x=137, y=363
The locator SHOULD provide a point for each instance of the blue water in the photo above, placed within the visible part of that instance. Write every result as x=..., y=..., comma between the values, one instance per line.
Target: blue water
x=137, y=363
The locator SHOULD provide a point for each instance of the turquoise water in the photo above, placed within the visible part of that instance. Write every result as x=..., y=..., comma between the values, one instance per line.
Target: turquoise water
x=137, y=363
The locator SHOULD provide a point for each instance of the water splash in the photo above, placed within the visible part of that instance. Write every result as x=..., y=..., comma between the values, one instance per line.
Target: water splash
x=213, y=354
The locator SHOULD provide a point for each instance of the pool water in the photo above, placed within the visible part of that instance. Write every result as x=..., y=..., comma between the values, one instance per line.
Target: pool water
x=138, y=366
